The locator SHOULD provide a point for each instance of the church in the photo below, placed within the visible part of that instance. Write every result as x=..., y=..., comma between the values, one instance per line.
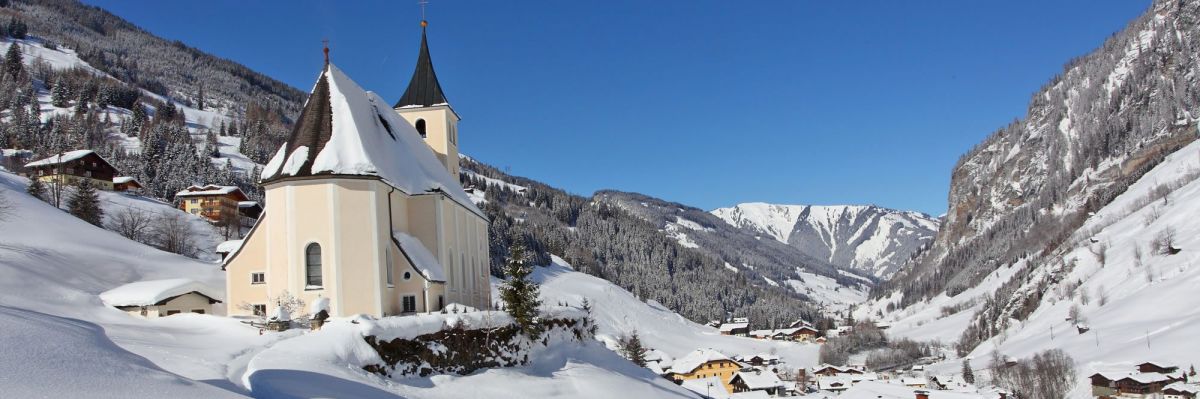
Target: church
x=364, y=208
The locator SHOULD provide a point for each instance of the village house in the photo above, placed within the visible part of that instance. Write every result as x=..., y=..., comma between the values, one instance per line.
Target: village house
x=737, y=328
x=1143, y=383
x=757, y=380
x=211, y=202
x=1181, y=390
x=1105, y=383
x=761, y=359
x=72, y=167
x=160, y=298
x=1157, y=367
x=126, y=183
x=705, y=363
x=364, y=208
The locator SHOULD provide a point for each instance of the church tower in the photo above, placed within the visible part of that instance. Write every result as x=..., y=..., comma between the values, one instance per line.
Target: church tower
x=424, y=105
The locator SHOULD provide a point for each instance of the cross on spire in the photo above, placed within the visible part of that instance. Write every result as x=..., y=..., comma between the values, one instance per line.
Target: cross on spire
x=325, y=45
x=423, y=3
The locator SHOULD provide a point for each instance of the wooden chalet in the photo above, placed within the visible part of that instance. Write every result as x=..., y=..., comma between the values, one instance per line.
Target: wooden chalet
x=1143, y=383
x=72, y=167
x=212, y=201
x=126, y=183
x=1155, y=367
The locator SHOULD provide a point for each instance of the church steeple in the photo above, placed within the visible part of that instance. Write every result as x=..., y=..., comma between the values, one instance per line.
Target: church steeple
x=424, y=89
x=424, y=106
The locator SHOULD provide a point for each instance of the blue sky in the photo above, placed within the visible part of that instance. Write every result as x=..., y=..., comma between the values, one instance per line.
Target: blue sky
x=707, y=103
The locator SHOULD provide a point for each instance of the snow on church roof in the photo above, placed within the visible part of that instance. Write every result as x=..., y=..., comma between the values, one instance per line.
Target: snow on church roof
x=151, y=292
x=344, y=130
x=419, y=256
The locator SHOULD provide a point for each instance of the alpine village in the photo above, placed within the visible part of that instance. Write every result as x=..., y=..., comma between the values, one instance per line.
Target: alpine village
x=176, y=224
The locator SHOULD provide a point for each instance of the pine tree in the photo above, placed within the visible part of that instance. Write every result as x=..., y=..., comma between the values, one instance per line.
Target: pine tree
x=37, y=189
x=13, y=63
x=17, y=29
x=60, y=96
x=519, y=293
x=967, y=374
x=200, y=98
x=631, y=348
x=84, y=203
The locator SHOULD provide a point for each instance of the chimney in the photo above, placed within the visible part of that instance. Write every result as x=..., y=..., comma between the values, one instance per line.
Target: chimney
x=922, y=394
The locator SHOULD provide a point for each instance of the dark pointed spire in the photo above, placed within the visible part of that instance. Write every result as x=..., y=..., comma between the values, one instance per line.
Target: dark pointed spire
x=312, y=131
x=424, y=89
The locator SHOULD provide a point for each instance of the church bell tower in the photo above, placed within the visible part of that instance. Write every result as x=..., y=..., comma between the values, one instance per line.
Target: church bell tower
x=424, y=105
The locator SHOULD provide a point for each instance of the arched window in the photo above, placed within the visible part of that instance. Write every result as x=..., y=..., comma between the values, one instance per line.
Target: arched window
x=421, y=127
x=312, y=264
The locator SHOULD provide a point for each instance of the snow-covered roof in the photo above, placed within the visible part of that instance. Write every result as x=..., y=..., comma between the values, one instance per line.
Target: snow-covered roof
x=711, y=387
x=229, y=246
x=655, y=367
x=750, y=395
x=152, y=292
x=763, y=356
x=419, y=256
x=696, y=358
x=193, y=191
x=1183, y=387
x=759, y=379
x=833, y=383
x=727, y=327
x=123, y=179
x=1147, y=378
x=247, y=204
x=344, y=130
x=60, y=158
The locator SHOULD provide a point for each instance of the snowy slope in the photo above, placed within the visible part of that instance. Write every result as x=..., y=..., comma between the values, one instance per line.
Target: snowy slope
x=1149, y=311
x=872, y=240
x=53, y=268
x=619, y=312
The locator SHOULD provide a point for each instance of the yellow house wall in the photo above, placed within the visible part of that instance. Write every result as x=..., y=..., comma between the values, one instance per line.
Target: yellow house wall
x=71, y=180
x=441, y=131
x=724, y=369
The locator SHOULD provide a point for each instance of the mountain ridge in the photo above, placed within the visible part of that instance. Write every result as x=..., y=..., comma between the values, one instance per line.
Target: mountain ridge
x=865, y=238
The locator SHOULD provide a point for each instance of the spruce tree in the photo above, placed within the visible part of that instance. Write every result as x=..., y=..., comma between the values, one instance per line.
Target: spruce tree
x=519, y=293
x=631, y=348
x=13, y=63
x=37, y=189
x=59, y=95
x=967, y=374
x=84, y=203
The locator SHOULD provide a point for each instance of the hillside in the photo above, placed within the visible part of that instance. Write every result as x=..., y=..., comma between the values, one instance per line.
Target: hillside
x=868, y=239
x=1089, y=133
x=1114, y=275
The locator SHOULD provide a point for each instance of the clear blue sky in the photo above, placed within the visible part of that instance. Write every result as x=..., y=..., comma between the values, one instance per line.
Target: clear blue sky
x=707, y=103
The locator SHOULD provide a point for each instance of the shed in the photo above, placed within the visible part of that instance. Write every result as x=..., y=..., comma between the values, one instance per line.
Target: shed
x=159, y=298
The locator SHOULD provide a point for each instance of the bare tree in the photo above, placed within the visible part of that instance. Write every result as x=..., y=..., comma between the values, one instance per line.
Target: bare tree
x=172, y=233
x=131, y=223
x=292, y=305
x=1164, y=242
x=230, y=224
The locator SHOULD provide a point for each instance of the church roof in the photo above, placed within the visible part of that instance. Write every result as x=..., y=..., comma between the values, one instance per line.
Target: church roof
x=347, y=131
x=424, y=89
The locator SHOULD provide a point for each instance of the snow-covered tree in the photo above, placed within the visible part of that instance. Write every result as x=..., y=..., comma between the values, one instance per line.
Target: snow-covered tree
x=519, y=293
x=631, y=348
x=84, y=203
x=968, y=375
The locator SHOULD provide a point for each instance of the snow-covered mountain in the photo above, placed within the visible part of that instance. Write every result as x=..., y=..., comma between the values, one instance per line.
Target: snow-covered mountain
x=871, y=240
x=1135, y=299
